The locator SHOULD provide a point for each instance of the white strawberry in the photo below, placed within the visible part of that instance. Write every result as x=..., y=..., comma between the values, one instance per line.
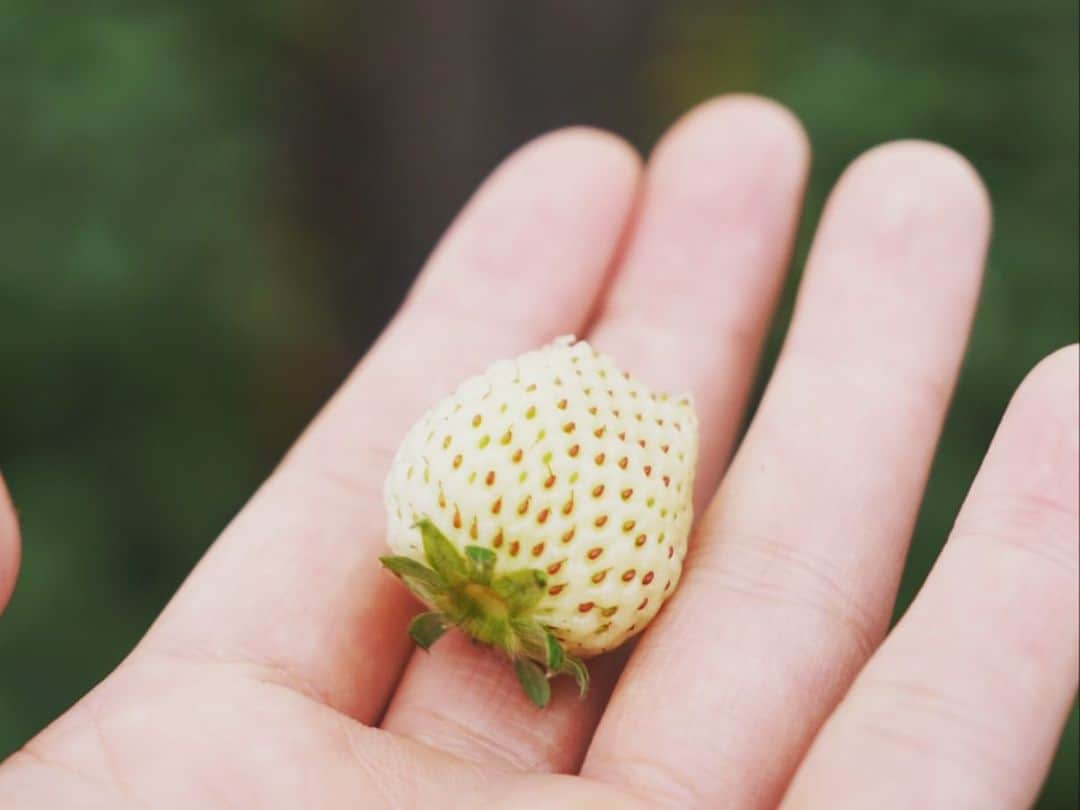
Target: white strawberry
x=544, y=508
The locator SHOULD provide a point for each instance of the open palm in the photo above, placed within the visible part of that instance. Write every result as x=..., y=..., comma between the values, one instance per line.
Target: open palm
x=281, y=675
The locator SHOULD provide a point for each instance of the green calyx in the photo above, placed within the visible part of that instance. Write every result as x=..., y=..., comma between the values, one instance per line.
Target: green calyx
x=495, y=610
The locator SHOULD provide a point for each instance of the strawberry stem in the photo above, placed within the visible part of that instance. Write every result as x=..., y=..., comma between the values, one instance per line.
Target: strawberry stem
x=463, y=591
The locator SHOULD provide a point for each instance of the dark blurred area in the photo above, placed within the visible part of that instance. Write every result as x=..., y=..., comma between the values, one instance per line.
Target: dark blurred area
x=209, y=209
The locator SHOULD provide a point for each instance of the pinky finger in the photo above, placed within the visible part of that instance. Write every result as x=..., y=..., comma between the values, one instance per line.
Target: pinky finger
x=9, y=546
x=964, y=703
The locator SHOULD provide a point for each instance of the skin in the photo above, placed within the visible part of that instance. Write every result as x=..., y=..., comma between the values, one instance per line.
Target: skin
x=280, y=675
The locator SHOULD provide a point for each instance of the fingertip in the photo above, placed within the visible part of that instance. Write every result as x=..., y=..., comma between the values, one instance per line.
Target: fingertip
x=1049, y=397
x=1036, y=449
x=754, y=126
x=594, y=140
x=905, y=197
x=570, y=189
x=1055, y=376
x=917, y=162
x=589, y=154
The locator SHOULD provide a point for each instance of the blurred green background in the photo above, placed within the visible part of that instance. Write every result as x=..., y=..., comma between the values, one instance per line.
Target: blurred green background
x=210, y=208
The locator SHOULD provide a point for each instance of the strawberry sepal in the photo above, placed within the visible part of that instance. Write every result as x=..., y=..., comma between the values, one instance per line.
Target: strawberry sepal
x=464, y=592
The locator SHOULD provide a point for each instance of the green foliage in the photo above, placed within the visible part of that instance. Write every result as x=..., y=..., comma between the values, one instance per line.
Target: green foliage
x=168, y=317
x=162, y=329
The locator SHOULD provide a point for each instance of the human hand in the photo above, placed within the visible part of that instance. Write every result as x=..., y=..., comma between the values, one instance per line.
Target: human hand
x=281, y=674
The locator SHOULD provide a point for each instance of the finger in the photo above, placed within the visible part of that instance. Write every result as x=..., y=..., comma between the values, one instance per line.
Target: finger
x=964, y=703
x=697, y=292
x=687, y=310
x=9, y=546
x=790, y=583
x=294, y=585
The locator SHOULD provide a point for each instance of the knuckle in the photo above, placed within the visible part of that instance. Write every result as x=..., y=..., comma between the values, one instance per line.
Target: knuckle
x=1037, y=527
x=942, y=728
x=793, y=579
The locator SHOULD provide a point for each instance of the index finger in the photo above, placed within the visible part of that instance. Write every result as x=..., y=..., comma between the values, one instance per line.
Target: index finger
x=294, y=588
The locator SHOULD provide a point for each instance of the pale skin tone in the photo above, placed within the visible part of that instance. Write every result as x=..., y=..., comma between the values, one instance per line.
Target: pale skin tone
x=281, y=676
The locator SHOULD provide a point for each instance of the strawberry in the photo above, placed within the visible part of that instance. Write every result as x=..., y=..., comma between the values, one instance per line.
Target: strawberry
x=543, y=508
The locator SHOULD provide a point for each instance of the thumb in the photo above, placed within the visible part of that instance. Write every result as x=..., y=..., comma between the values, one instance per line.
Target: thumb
x=9, y=546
